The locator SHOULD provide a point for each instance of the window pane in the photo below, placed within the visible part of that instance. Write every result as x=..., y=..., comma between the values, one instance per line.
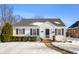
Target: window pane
x=20, y=31
x=59, y=31
x=34, y=32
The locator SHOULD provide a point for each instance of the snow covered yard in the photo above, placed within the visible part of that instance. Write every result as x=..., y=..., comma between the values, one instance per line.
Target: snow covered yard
x=74, y=40
x=25, y=48
x=74, y=47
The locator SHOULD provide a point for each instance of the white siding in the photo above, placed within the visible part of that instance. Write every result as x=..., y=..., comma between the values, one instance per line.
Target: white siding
x=46, y=26
x=41, y=27
x=27, y=30
x=61, y=37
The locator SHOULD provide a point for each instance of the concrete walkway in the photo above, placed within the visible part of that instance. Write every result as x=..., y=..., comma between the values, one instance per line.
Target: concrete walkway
x=26, y=48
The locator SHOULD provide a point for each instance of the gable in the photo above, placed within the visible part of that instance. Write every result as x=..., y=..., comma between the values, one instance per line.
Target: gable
x=46, y=25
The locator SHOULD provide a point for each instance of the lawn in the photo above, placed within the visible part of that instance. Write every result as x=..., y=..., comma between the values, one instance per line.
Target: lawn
x=25, y=48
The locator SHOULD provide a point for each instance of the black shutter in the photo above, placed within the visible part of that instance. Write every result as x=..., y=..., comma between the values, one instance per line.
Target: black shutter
x=62, y=31
x=23, y=31
x=16, y=31
x=37, y=31
x=30, y=31
x=55, y=31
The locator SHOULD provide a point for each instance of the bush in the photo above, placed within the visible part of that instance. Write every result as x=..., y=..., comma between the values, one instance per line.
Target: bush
x=0, y=37
x=32, y=38
x=23, y=38
x=6, y=32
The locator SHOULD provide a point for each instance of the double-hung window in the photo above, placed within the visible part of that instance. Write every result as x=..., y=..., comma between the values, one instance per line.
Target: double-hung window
x=34, y=31
x=59, y=31
x=20, y=31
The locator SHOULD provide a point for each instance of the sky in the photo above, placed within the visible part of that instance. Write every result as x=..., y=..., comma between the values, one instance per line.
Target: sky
x=68, y=13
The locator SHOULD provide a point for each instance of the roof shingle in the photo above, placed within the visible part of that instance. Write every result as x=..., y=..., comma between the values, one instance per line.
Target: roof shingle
x=27, y=22
x=76, y=24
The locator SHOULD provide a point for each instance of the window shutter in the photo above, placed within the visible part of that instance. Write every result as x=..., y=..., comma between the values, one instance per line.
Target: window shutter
x=37, y=31
x=55, y=31
x=23, y=31
x=30, y=31
x=16, y=31
x=62, y=31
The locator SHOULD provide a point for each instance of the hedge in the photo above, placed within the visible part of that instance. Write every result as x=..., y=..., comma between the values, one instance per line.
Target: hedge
x=23, y=38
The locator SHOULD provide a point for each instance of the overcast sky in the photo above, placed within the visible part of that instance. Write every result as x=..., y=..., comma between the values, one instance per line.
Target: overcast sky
x=67, y=13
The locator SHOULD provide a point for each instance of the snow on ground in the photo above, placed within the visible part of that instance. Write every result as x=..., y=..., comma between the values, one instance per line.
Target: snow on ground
x=74, y=47
x=25, y=48
x=74, y=40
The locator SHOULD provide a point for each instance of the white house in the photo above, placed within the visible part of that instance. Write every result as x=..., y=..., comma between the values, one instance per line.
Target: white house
x=43, y=28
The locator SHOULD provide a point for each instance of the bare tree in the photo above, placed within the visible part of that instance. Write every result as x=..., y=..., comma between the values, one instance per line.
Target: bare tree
x=7, y=15
x=16, y=18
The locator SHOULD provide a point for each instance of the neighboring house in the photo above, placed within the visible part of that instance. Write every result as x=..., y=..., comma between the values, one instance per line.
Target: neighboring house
x=43, y=28
x=73, y=30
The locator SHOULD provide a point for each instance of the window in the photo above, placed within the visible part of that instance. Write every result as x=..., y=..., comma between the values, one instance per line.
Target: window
x=20, y=31
x=59, y=31
x=34, y=31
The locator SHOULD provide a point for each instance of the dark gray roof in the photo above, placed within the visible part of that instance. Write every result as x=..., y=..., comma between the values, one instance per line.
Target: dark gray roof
x=27, y=22
x=76, y=24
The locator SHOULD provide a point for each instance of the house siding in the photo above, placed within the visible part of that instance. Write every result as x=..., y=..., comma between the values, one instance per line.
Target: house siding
x=42, y=27
x=73, y=32
x=27, y=30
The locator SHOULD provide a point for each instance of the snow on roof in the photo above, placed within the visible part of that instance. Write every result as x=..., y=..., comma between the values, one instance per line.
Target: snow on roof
x=37, y=23
x=57, y=22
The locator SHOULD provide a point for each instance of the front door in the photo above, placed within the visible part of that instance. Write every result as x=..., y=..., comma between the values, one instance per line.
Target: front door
x=47, y=33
